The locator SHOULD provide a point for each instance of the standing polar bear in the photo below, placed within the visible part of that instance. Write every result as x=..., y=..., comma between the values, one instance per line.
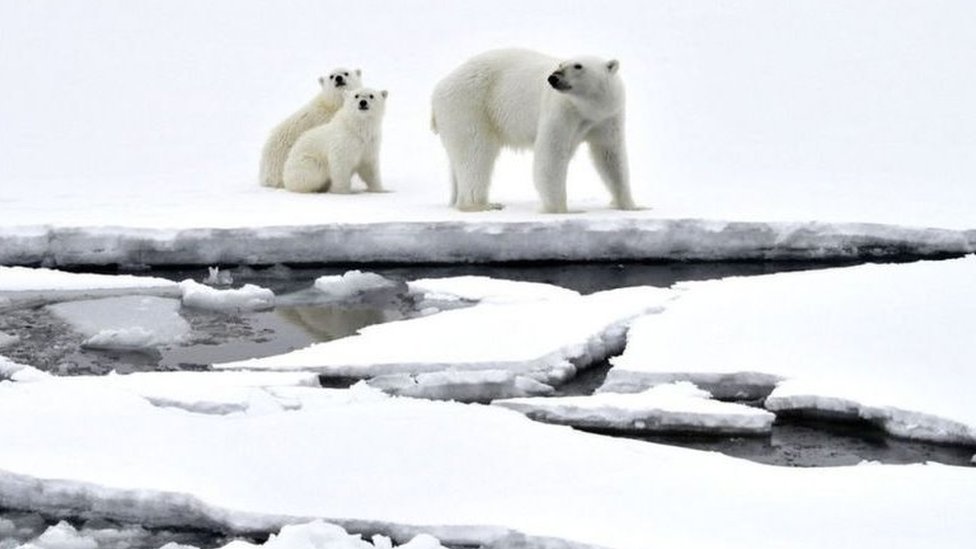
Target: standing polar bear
x=316, y=112
x=325, y=158
x=523, y=99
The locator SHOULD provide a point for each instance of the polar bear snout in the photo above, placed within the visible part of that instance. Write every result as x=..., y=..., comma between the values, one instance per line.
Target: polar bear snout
x=339, y=81
x=558, y=82
x=363, y=105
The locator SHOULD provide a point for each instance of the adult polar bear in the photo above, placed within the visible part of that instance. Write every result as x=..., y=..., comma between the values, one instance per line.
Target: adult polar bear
x=521, y=99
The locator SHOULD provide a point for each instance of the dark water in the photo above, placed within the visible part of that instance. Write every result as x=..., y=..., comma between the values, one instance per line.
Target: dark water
x=804, y=442
x=302, y=316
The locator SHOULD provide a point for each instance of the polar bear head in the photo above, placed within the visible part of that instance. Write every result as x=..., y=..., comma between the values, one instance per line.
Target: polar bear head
x=588, y=79
x=366, y=102
x=341, y=79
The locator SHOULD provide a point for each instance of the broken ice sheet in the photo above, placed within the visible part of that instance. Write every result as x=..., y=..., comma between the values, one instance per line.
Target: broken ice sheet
x=126, y=322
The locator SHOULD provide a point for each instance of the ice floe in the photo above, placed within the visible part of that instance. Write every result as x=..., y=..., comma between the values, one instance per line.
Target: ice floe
x=479, y=240
x=378, y=463
x=353, y=284
x=126, y=322
x=246, y=298
x=202, y=392
x=675, y=407
x=462, y=386
x=19, y=285
x=545, y=340
x=886, y=343
x=483, y=289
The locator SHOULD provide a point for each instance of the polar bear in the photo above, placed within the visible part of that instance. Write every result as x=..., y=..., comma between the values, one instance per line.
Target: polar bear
x=326, y=157
x=524, y=99
x=316, y=112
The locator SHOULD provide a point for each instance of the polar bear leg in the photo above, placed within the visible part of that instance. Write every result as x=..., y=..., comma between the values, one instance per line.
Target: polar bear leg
x=369, y=172
x=305, y=174
x=610, y=160
x=272, y=162
x=472, y=159
x=340, y=173
x=552, y=154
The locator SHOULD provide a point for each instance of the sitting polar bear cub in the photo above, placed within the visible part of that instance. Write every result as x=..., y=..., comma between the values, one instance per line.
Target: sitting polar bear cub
x=523, y=99
x=316, y=112
x=325, y=158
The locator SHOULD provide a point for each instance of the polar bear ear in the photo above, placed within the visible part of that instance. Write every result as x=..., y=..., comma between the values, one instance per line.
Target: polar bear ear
x=613, y=65
x=321, y=81
x=384, y=93
x=359, y=72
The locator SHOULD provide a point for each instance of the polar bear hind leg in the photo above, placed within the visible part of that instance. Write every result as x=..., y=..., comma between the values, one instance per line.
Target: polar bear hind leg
x=306, y=174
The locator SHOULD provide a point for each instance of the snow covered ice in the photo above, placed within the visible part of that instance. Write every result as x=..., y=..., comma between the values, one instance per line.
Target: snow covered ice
x=889, y=344
x=677, y=407
x=829, y=130
x=531, y=339
x=246, y=298
x=398, y=461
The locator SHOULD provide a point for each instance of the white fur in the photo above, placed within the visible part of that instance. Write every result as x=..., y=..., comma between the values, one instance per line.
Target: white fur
x=502, y=99
x=316, y=112
x=326, y=157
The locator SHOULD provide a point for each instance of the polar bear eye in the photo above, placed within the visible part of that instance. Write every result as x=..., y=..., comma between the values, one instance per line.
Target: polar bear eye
x=371, y=96
x=578, y=67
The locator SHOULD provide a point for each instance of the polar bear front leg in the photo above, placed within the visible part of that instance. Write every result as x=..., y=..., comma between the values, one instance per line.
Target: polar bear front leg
x=553, y=151
x=369, y=172
x=609, y=153
x=341, y=175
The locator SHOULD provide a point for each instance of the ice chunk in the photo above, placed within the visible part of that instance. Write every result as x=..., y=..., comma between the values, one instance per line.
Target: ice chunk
x=246, y=298
x=485, y=289
x=322, y=535
x=353, y=284
x=462, y=386
x=7, y=339
x=676, y=407
x=125, y=322
x=217, y=278
x=64, y=536
x=14, y=371
x=546, y=339
x=888, y=343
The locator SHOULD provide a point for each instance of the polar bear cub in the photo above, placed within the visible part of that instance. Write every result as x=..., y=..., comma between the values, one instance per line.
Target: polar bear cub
x=524, y=99
x=325, y=158
x=316, y=112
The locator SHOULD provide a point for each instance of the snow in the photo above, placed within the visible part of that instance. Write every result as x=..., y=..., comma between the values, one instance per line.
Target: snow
x=676, y=407
x=15, y=371
x=125, y=322
x=246, y=298
x=24, y=284
x=398, y=461
x=352, y=284
x=887, y=343
x=462, y=386
x=485, y=289
x=205, y=392
x=545, y=340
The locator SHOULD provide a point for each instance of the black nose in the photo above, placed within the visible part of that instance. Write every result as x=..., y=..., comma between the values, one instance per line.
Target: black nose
x=363, y=104
x=339, y=81
x=554, y=80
